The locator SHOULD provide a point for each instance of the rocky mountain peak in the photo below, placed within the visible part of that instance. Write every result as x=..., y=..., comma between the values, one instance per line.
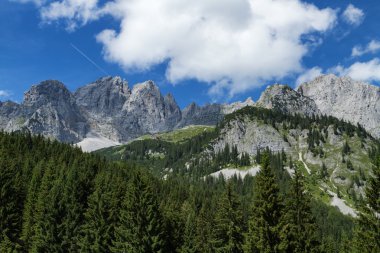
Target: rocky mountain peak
x=230, y=108
x=171, y=103
x=49, y=91
x=345, y=98
x=285, y=99
x=148, y=87
x=106, y=96
x=116, y=83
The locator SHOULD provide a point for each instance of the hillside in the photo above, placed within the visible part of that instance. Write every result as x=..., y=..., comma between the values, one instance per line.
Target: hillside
x=55, y=198
x=336, y=156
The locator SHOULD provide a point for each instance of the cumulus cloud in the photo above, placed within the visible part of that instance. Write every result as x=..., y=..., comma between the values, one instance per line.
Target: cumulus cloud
x=353, y=15
x=36, y=2
x=4, y=93
x=233, y=45
x=372, y=47
x=363, y=71
x=75, y=12
x=309, y=75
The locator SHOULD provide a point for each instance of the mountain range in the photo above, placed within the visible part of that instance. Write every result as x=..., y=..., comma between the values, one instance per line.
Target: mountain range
x=109, y=111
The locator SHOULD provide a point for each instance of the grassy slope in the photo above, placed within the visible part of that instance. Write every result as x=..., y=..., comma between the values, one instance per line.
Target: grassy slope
x=333, y=160
x=178, y=135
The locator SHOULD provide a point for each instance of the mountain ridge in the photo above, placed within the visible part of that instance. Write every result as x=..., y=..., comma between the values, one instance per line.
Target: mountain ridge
x=111, y=109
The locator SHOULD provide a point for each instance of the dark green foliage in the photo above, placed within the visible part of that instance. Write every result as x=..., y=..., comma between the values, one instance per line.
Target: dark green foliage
x=102, y=214
x=323, y=173
x=10, y=203
x=367, y=236
x=263, y=234
x=332, y=227
x=54, y=198
x=203, y=236
x=228, y=228
x=274, y=117
x=141, y=227
x=231, y=156
x=298, y=227
x=346, y=148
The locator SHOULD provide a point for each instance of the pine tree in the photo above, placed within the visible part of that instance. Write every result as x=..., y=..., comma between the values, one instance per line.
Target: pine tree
x=101, y=216
x=203, y=236
x=323, y=174
x=263, y=234
x=367, y=235
x=189, y=230
x=10, y=204
x=141, y=228
x=297, y=224
x=48, y=212
x=30, y=206
x=72, y=210
x=228, y=228
x=234, y=155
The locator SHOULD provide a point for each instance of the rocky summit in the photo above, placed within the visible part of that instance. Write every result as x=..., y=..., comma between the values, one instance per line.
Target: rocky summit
x=107, y=109
x=345, y=98
x=113, y=111
x=285, y=99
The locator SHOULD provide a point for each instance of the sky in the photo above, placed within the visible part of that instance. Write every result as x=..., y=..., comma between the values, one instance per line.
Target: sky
x=201, y=51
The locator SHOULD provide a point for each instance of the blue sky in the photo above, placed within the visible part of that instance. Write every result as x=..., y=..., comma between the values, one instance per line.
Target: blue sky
x=208, y=51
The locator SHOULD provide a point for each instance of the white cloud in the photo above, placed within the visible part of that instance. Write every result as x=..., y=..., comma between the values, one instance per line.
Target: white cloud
x=234, y=45
x=363, y=71
x=309, y=75
x=4, y=93
x=372, y=47
x=73, y=11
x=36, y=2
x=353, y=15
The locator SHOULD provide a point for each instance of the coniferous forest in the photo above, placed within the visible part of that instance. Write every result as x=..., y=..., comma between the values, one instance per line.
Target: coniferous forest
x=55, y=198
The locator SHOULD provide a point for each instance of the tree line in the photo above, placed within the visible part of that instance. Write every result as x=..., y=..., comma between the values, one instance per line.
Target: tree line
x=54, y=198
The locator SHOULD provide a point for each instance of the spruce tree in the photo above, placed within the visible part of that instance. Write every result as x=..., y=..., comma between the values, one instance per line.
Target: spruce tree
x=189, y=230
x=298, y=228
x=72, y=210
x=203, y=236
x=101, y=216
x=28, y=219
x=48, y=213
x=10, y=204
x=367, y=234
x=263, y=234
x=141, y=228
x=228, y=228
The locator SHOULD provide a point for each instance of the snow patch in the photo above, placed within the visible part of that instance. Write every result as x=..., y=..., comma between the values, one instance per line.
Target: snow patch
x=94, y=142
x=231, y=172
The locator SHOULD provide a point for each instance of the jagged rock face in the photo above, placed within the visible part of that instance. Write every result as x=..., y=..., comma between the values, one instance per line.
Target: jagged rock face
x=8, y=112
x=209, y=114
x=193, y=114
x=101, y=103
x=249, y=136
x=121, y=114
x=346, y=99
x=150, y=110
x=50, y=109
x=287, y=100
x=230, y=108
x=109, y=108
x=106, y=96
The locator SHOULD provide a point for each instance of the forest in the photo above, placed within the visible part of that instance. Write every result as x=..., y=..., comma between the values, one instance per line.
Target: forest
x=55, y=198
